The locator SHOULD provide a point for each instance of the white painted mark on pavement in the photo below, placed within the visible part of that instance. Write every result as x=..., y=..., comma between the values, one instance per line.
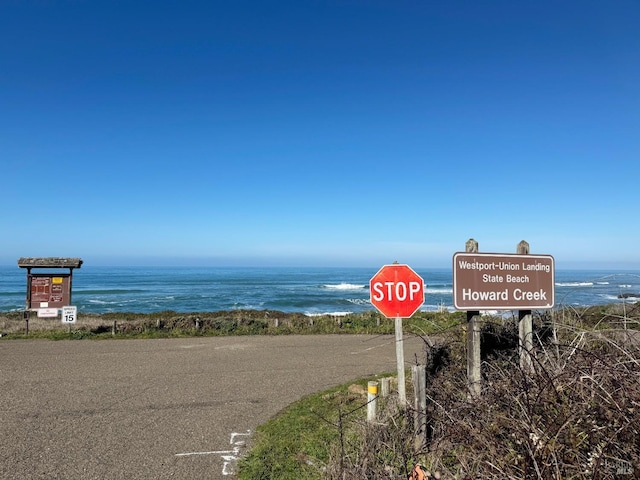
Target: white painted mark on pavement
x=230, y=461
x=380, y=345
x=229, y=457
x=215, y=452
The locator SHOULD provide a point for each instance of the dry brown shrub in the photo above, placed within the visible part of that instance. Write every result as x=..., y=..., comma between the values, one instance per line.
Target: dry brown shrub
x=575, y=416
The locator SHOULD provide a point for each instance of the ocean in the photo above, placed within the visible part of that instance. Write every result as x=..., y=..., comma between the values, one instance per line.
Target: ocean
x=312, y=291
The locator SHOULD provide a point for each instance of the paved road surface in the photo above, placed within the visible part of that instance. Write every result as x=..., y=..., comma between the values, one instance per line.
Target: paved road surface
x=156, y=409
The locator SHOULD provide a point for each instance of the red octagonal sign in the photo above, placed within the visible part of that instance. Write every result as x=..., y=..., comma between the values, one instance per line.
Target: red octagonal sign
x=397, y=291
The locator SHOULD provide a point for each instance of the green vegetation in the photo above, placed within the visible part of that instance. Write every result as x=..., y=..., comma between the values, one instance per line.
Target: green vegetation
x=171, y=324
x=290, y=445
x=300, y=441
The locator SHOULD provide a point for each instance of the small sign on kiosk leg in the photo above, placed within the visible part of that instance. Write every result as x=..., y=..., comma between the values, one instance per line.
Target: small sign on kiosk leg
x=69, y=315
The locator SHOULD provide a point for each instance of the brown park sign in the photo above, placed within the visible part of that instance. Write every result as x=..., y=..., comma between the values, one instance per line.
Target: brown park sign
x=487, y=281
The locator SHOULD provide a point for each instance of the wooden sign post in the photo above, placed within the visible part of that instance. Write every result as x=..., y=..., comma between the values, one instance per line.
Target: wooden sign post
x=490, y=281
x=473, y=339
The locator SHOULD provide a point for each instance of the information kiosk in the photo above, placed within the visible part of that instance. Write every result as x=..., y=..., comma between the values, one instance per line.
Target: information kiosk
x=49, y=291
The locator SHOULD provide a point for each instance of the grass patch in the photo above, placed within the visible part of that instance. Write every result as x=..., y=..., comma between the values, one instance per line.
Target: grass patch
x=170, y=324
x=299, y=442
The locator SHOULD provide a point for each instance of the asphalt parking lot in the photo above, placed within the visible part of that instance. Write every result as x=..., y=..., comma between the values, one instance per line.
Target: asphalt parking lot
x=156, y=409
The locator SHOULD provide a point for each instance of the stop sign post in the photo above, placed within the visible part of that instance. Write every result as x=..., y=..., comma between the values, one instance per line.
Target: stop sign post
x=397, y=292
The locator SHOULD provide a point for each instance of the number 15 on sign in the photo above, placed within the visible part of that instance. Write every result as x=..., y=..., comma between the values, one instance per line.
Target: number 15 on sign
x=69, y=314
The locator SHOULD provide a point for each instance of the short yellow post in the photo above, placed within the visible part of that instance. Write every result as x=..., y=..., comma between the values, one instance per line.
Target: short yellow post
x=372, y=400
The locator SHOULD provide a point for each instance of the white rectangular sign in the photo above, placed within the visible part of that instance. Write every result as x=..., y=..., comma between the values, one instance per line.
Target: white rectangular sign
x=47, y=312
x=69, y=314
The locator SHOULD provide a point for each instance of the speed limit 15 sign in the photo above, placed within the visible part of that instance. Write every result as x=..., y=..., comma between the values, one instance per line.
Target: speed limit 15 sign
x=69, y=314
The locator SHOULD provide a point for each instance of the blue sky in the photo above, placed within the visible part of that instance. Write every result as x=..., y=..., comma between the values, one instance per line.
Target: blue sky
x=319, y=132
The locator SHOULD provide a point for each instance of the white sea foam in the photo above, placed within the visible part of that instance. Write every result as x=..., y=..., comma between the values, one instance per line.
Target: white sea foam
x=344, y=286
x=333, y=314
x=359, y=301
x=247, y=306
x=439, y=290
x=611, y=297
x=574, y=284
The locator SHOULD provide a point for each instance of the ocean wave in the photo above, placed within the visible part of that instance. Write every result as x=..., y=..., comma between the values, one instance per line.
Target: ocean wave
x=116, y=291
x=102, y=302
x=610, y=297
x=247, y=306
x=359, y=301
x=344, y=286
x=574, y=284
x=333, y=314
x=11, y=294
x=439, y=290
x=120, y=302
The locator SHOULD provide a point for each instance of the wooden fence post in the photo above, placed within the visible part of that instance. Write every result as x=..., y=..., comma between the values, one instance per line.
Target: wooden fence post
x=385, y=386
x=419, y=376
x=473, y=339
x=525, y=325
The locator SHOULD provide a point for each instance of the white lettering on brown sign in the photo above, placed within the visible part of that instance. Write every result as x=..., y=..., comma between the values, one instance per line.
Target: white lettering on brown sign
x=483, y=281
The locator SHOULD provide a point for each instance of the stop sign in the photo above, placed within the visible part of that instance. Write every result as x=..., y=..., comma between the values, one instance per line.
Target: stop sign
x=397, y=291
